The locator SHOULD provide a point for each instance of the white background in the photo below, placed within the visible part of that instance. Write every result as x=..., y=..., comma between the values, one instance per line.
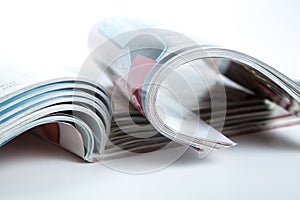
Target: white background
x=54, y=33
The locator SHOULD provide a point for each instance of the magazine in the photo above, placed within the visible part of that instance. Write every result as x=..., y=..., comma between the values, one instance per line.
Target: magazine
x=143, y=89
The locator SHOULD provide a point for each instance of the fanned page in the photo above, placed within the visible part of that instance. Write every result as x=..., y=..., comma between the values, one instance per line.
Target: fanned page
x=51, y=100
x=14, y=78
x=190, y=91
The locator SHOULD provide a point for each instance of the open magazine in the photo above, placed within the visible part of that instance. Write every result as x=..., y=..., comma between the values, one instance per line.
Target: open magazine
x=144, y=89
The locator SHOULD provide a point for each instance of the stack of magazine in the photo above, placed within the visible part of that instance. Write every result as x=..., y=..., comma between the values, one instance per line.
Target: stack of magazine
x=146, y=89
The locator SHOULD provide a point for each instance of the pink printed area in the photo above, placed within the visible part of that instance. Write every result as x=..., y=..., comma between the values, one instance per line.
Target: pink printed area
x=139, y=70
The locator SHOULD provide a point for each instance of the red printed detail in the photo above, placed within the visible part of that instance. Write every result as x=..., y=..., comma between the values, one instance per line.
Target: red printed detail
x=139, y=70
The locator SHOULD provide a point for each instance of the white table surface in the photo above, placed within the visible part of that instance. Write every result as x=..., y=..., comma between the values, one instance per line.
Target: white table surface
x=262, y=166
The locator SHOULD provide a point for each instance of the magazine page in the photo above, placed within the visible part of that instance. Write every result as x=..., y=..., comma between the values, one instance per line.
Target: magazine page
x=35, y=98
x=171, y=80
